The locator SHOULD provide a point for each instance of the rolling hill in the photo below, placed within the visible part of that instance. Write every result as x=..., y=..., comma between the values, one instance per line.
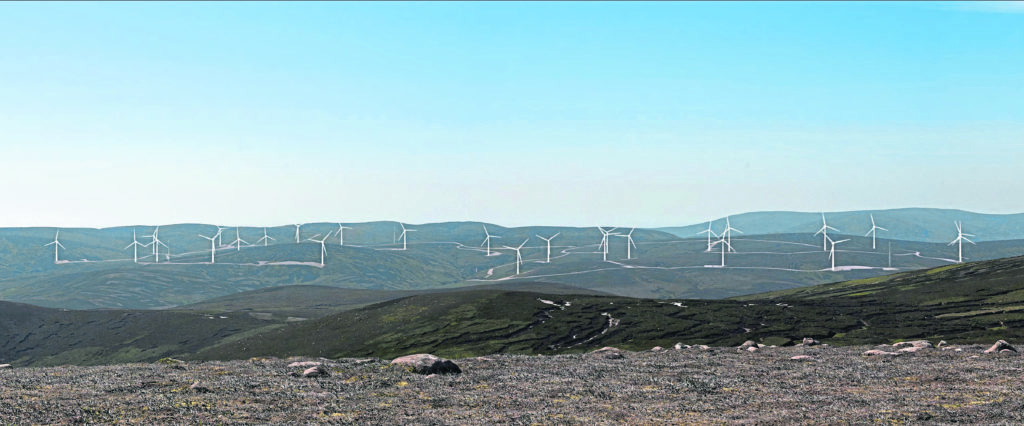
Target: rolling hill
x=908, y=224
x=969, y=303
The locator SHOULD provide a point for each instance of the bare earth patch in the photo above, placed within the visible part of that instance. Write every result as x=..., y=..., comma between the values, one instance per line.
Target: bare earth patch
x=683, y=386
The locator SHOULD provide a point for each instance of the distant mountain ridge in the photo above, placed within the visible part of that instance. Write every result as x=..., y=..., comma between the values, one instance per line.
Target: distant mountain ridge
x=908, y=224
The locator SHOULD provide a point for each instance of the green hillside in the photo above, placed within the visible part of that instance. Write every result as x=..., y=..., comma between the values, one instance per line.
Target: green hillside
x=972, y=303
x=906, y=224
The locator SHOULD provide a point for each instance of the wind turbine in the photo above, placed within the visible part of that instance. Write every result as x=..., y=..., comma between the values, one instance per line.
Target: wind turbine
x=56, y=246
x=629, y=242
x=710, y=233
x=725, y=243
x=832, y=251
x=402, y=236
x=548, y=240
x=323, y=246
x=213, y=244
x=220, y=229
x=341, y=234
x=238, y=241
x=959, y=241
x=824, y=232
x=135, y=243
x=728, y=232
x=519, y=258
x=872, y=231
x=156, y=243
x=265, y=238
x=604, y=242
x=297, y=226
x=487, y=240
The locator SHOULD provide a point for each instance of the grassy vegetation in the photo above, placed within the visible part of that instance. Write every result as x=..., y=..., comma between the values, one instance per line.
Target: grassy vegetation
x=718, y=386
x=969, y=303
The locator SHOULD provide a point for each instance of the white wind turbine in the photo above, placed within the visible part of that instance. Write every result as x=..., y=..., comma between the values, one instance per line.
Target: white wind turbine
x=548, y=240
x=135, y=243
x=56, y=246
x=959, y=241
x=604, y=242
x=238, y=241
x=402, y=236
x=156, y=243
x=824, y=231
x=487, y=240
x=341, y=234
x=265, y=238
x=872, y=231
x=725, y=244
x=323, y=246
x=297, y=226
x=213, y=244
x=629, y=242
x=220, y=230
x=728, y=232
x=519, y=257
x=832, y=251
x=710, y=233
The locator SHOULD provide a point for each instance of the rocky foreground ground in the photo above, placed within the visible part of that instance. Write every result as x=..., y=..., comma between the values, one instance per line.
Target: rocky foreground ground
x=833, y=385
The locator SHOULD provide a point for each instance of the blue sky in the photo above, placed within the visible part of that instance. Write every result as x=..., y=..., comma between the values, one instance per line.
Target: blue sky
x=645, y=114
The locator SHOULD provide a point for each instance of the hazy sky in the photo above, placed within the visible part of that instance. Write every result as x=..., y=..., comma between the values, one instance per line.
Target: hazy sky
x=623, y=114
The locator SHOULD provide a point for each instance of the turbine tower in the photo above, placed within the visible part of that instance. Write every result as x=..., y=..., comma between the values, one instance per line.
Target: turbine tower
x=213, y=244
x=725, y=243
x=832, y=251
x=220, y=230
x=710, y=233
x=728, y=232
x=519, y=258
x=629, y=242
x=959, y=241
x=604, y=242
x=341, y=234
x=156, y=243
x=323, y=246
x=548, y=240
x=402, y=236
x=487, y=240
x=135, y=243
x=824, y=232
x=238, y=241
x=872, y=231
x=56, y=246
x=297, y=226
x=265, y=238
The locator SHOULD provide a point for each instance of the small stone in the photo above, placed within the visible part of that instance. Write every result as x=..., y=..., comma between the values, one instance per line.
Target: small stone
x=1006, y=351
x=802, y=358
x=876, y=352
x=5, y=366
x=199, y=388
x=999, y=346
x=808, y=341
x=318, y=371
x=304, y=364
x=942, y=343
x=920, y=344
x=752, y=349
x=426, y=364
x=608, y=352
x=703, y=347
x=680, y=346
